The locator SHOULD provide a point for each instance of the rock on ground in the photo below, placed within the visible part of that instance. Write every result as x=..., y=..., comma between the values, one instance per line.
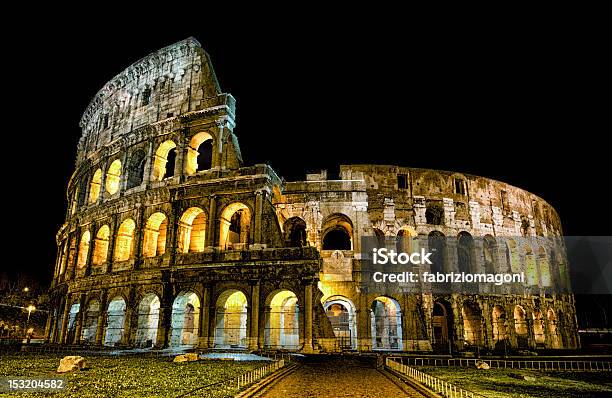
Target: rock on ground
x=188, y=357
x=71, y=363
x=482, y=365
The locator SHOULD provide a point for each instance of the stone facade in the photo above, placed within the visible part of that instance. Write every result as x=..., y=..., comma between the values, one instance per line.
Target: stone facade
x=170, y=240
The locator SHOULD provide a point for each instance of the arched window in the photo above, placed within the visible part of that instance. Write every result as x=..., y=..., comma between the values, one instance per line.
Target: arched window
x=101, y=245
x=337, y=231
x=113, y=177
x=231, y=320
x=154, y=243
x=136, y=165
x=520, y=326
x=434, y=214
x=512, y=256
x=544, y=266
x=94, y=186
x=192, y=231
x=499, y=324
x=148, y=320
x=442, y=325
x=164, y=159
x=124, y=242
x=531, y=267
x=83, y=249
x=114, y=322
x=342, y=315
x=465, y=244
x=295, y=232
x=282, y=330
x=185, y=320
x=436, y=243
x=235, y=226
x=90, y=322
x=386, y=323
x=472, y=323
x=199, y=153
x=489, y=247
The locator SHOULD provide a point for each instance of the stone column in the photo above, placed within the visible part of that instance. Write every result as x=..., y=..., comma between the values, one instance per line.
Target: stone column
x=90, y=250
x=110, y=257
x=161, y=327
x=48, y=328
x=139, y=237
x=102, y=193
x=308, y=308
x=204, y=340
x=260, y=196
x=212, y=221
x=79, y=319
x=65, y=320
x=254, y=317
x=218, y=158
x=124, y=172
x=180, y=160
x=146, y=175
x=101, y=320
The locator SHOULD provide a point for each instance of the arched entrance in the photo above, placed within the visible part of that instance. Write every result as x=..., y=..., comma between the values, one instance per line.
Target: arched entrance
x=231, y=320
x=282, y=326
x=90, y=323
x=148, y=320
x=74, y=311
x=442, y=327
x=341, y=313
x=114, y=322
x=185, y=320
x=472, y=324
x=386, y=324
x=499, y=328
x=520, y=327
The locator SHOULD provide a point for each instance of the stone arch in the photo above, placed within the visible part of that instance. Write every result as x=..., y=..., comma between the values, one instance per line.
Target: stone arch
x=489, y=253
x=337, y=232
x=531, y=266
x=386, y=324
x=90, y=322
x=113, y=177
x=83, y=250
x=434, y=213
x=520, y=326
x=72, y=320
x=380, y=237
x=199, y=153
x=465, y=247
x=135, y=168
x=125, y=240
x=553, y=333
x=538, y=327
x=512, y=256
x=163, y=160
x=295, y=232
x=154, y=240
x=342, y=314
x=95, y=186
x=192, y=231
x=235, y=226
x=282, y=321
x=231, y=320
x=407, y=240
x=101, y=243
x=185, y=320
x=472, y=323
x=148, y=321
x=544, y=267
x=436, y=242
x=115, y=320
x=442, y=325
x=499, y=326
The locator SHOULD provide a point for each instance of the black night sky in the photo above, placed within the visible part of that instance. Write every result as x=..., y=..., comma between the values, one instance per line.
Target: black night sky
x=525, y=109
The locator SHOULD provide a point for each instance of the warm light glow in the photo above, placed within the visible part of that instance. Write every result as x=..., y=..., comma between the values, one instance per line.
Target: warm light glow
x=125, y=237
x=83, y=249
x=113, y=177
x=160, y=160
x=154, y=243
x=192, y=230
x=94, y=186
x=101, y=245
x=235, y=225
x=26, y=289
x=191, y=166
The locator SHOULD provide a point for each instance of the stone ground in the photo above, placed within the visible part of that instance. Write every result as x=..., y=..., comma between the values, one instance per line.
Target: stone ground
x=335, y=378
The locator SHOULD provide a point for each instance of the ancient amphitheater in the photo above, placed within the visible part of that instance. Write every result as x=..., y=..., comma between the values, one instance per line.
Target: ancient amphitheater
x=170, y=240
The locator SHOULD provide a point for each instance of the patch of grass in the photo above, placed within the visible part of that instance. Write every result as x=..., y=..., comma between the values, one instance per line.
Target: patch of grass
x=503, y=383
x=127, y=376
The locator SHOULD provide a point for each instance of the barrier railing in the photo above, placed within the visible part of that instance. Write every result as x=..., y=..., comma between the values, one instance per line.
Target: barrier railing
x=540, y=364
x=435, y=384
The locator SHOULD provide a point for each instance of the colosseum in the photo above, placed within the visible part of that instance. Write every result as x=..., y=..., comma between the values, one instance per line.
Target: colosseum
x=171, y=241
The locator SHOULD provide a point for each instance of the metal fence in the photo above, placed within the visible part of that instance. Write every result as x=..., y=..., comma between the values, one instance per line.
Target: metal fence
x=437, y=385
x=540, y=364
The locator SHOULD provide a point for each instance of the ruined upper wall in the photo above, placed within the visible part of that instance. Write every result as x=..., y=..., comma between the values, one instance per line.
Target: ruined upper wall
x=167, y=83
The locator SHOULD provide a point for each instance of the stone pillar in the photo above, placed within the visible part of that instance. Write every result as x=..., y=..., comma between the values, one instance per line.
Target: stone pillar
x=204, y=340
x=79, y=319
x=218, y=158
x=65, y=317
x=260, y=196
x=254, y=317
x=180, y=160
x=127, y=325
x=139, y=237
x=124, y=172
x=148, y=169
x=102, y=193
x=212, y=221
x=110, y=257
x=162, y=332
x=48, y=328
x=101, y=320
x=308, y=309
x=90, y=251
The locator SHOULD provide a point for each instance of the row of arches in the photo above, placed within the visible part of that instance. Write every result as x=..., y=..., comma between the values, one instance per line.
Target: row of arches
x=198, y=156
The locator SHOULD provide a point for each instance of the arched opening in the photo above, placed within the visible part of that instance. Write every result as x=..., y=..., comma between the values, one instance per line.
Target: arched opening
x=520, y=326
x=199, y=153
x=90, y=323
x=552, y=328
x=148, y=320
x=406, y=241
x=154, y=243
x=442, y=326
x=499, y=327
x=231, y=320
x=164, y=161
x=512, y=256
x=386, y=323
x=465, y=244
x=531, y=267
x=436, y=243
x=538, y=328
x=185, y=320
x=113, y=177
x=101, y=245
x=489, y=246
x=342, y=315
x=135, y=168
x=295, y=232
x=434, y=214
x=472, y=324
x=337, y=232
x=124, y=242
x=192, y=231
x=94, y=186
x=83, y=250
x=115, y=320
x=235, y=226
x=74, y=311
x=544, y=266
x=282, y=327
